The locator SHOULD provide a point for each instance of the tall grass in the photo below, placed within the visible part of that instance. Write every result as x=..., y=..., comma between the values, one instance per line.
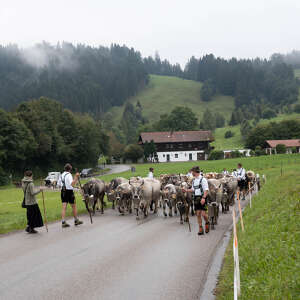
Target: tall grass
x=269, y=246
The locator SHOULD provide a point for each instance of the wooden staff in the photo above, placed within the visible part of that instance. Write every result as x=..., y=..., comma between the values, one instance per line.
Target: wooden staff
x=45, y=216
x=240, y=209
x=250, y=194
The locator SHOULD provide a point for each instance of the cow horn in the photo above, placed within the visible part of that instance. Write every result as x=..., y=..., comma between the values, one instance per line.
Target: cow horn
x=143, y=182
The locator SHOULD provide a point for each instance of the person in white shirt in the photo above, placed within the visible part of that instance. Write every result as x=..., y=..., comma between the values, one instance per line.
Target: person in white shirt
x=67, y=183
x=225, y=172
x=241, y=177
x=234, y=173
x=200, y=191
x=150, y=174
x=189, y=174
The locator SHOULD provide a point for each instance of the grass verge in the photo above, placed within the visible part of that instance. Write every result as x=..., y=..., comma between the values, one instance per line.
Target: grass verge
x=269, y=246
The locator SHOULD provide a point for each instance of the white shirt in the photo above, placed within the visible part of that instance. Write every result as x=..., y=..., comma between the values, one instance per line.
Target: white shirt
x=241, y=174
x=225, y=172
x=196, y=182
x=189, y=174
x=67, y=178
x=150, y=175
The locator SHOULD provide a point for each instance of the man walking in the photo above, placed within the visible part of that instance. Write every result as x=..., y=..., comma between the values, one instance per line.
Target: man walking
x=67, y=183
x=241, y=177
x=200, y=191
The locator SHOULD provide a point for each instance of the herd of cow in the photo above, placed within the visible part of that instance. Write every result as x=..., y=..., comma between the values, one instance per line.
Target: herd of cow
x=143, y=195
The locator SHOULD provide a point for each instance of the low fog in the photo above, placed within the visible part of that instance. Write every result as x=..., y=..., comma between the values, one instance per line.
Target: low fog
x=176, y=29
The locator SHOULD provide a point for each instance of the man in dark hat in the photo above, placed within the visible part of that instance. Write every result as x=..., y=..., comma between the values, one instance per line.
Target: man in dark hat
x=200, y=191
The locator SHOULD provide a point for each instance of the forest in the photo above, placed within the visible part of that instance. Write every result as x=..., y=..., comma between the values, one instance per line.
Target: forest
x=85, y=82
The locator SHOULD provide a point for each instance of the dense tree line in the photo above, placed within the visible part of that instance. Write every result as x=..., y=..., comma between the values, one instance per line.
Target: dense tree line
x=248, y=81
x=83, y=78
x=162, y=67
x=288, y=129
x=42, y=135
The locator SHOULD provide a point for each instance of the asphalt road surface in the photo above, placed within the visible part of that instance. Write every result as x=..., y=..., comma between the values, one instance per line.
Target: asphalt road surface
x=116, y=257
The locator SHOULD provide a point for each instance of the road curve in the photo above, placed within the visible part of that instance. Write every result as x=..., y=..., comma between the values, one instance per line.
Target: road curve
x=116, y=257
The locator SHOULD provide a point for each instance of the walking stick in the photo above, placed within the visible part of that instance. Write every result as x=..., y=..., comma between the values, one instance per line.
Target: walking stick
x=86, y=204
x=45, y=216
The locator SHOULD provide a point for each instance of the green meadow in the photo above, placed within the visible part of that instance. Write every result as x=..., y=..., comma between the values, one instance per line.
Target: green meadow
x=12, y=216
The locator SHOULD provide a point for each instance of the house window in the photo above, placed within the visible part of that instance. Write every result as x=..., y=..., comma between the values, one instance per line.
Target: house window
x=171, y=146
x=190, y=145
x=176, y=155
x=164, y=155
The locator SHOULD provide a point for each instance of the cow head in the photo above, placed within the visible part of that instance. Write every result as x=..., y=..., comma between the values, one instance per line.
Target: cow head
x=136, y=191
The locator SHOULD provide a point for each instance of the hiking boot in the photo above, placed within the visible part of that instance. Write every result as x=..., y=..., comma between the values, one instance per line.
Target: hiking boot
x=77, y=222
x=201, y=232
x=65, y=224
x=27, y=229
x=207, y=227
x=32, y=230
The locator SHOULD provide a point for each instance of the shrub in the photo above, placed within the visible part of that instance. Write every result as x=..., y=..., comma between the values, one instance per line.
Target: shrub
x=259, y=151
x=268, y=113
x=280, y=149
x=228, y=134
x=216, y=155
x=133, y=152
x=236, y=154
x=294, y=149
x=4, y=179
x=297, y=108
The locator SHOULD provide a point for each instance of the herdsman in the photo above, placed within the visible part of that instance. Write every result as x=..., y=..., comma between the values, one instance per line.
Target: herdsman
x=200, y=191
x=67, y=184
x=150, y=174
x=241, y=177
x=225, y=172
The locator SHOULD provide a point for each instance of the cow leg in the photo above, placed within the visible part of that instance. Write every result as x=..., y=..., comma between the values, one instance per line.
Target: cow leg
x=94, y=207
x=164, y=208
x=137, y=214
x=113, y=204
x=102, y=202
x=170, y=209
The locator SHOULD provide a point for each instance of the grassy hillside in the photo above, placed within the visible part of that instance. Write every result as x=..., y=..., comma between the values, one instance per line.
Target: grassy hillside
x=269, y=247
x=236, y=142
x=164, y=93
x=297, y=73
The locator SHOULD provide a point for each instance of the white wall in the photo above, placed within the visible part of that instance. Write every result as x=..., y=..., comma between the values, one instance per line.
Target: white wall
x=182, y=155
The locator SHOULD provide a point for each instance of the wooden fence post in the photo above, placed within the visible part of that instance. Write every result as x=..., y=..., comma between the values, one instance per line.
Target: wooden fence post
x=237, y=285
x=240, y=210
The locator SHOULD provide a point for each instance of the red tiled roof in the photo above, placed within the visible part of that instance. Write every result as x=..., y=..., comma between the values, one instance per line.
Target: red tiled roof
x=177, y=136
x=287, y=143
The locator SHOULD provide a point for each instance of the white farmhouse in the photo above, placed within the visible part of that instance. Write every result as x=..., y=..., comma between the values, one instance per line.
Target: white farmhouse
x=179, y=145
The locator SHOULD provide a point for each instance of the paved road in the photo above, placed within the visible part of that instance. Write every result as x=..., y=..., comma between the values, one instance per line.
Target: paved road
x=114, y=258
x=117, y=169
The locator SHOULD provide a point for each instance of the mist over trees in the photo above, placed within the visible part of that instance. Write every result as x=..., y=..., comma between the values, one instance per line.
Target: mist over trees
x=82, y=78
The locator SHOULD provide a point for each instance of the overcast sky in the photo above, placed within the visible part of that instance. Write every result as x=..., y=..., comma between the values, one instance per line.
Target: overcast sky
x=177, y=29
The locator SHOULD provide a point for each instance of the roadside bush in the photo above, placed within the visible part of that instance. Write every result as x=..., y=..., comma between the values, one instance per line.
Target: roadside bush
x=280, y=149
x=133, y=152
x=294, y=149
x=259, y=151
x=216, y=155
x=228, y=134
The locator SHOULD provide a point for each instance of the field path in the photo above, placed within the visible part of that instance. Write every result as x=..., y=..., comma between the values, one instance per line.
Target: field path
x=114, y=258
